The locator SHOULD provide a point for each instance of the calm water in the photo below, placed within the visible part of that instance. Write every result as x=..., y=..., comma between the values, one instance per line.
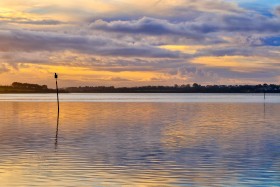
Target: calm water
x=140, y=140
x=154, y=98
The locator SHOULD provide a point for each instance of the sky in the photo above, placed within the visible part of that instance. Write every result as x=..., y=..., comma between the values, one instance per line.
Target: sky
x=136, y=43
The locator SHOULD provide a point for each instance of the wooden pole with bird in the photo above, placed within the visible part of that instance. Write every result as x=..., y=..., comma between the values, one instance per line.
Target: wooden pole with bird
x=56, y=77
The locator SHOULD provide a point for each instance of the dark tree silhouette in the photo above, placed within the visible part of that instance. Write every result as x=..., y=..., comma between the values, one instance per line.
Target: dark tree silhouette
x=17, y=87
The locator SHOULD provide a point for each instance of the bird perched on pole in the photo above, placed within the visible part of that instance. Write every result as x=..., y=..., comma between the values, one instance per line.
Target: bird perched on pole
x=56, y=77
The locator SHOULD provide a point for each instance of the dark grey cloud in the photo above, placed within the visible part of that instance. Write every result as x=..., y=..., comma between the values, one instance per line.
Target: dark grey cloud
x=226, y=51
x=102, y=63
x=247, y=23
x=32, y=41
x=196, y=29
x=145, y=25
x=124, y=64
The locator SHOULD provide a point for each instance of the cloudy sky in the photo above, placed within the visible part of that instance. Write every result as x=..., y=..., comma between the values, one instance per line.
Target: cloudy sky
x=147, y=42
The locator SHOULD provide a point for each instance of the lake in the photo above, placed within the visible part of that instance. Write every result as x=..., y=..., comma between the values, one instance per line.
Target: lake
x=140, y=140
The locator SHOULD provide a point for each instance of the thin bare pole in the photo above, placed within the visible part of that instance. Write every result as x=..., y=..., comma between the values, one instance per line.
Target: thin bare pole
x=56, y=76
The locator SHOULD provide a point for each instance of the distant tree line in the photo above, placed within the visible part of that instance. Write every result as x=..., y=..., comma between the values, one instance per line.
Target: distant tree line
x=195, y=88
x=18, y=87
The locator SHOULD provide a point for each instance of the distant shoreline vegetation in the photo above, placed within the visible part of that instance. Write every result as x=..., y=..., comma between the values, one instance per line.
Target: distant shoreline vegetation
x=18, y=87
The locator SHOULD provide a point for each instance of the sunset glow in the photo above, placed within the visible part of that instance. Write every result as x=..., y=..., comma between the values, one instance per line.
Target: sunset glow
x=130, y=43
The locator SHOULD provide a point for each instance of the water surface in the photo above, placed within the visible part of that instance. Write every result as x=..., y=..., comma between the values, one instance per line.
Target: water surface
x=147, y=97
x=234, y=142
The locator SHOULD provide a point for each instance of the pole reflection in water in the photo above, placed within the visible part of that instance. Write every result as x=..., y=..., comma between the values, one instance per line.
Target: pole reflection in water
x=57, y=125
x=264, y=109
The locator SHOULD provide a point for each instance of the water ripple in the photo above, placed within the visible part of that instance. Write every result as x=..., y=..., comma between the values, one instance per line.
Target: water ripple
x=139, y=144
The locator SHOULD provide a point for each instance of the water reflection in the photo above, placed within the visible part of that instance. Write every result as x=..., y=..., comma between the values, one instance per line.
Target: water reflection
x=264, y=109
x=140, y=144
x=56, y=134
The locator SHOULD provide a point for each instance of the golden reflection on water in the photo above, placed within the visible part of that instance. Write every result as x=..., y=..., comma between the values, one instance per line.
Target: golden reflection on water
x=226, y=123
x=139, y=144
